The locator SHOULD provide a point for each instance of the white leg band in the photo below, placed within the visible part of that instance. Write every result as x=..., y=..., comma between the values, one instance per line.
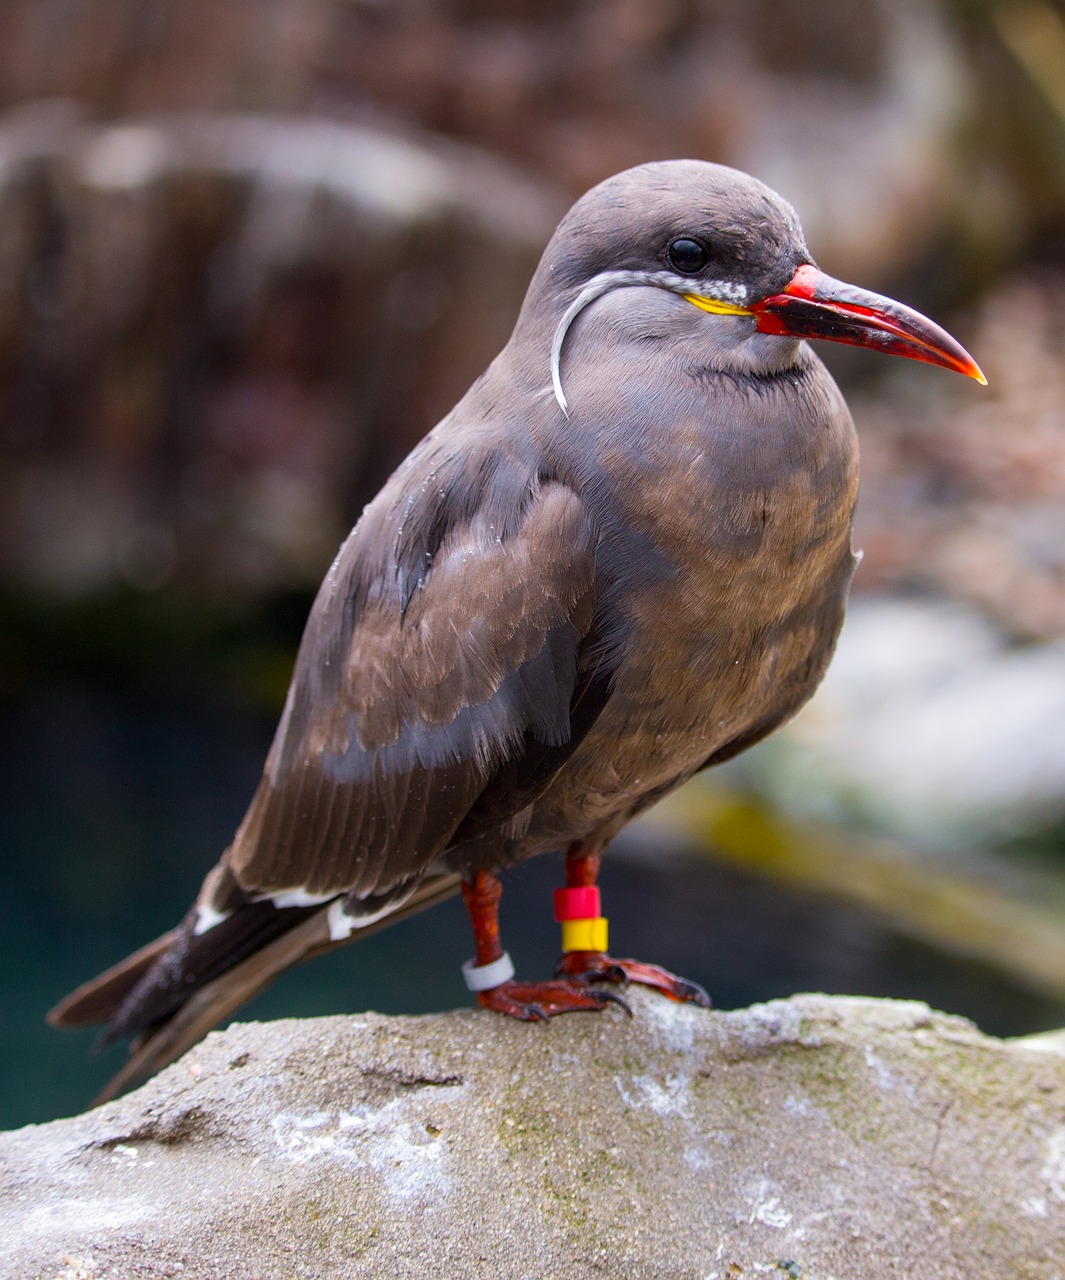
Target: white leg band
x=486, y=976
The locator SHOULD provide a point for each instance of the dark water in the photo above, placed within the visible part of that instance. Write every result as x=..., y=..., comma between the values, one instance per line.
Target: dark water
x=115, y=801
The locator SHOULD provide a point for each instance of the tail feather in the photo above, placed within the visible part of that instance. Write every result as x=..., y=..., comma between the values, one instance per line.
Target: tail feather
x=194, y=960
x=211, y=1003
x=219, y=996
x=99, y=999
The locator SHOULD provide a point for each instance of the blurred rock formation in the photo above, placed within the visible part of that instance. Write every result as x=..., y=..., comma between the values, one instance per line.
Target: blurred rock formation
x=249, y=254
x=219, y=332
x=965, y=496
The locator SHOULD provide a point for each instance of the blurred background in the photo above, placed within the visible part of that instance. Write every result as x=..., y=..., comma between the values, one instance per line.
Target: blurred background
x=250, y=252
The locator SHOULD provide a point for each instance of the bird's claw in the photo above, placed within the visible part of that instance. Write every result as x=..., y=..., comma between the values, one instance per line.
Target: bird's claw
x=597, y=966
x=538, y=1001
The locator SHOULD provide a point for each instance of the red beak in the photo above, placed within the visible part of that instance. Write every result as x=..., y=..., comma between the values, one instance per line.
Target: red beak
x=814, y=305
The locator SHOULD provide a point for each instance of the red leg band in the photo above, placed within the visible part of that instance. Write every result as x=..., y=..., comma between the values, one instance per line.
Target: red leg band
x=577, y=904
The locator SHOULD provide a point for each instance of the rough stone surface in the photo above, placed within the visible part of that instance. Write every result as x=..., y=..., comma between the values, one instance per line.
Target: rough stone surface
x=816, y=1137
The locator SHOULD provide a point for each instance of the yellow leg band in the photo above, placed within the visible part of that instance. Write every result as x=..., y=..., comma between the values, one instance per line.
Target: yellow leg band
x=584, y=935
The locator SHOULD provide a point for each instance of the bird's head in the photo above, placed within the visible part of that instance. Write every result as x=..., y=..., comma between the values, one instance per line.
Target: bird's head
x=729, y=246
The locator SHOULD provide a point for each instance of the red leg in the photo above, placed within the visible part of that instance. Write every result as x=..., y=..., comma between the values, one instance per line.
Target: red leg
x=529, y=1001
x=582, y=868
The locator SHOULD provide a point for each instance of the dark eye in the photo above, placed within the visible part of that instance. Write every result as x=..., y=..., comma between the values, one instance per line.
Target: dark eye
x=686, y=255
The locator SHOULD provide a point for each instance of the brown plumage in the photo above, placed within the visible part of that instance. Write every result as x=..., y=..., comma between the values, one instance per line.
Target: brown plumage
x=622, y=557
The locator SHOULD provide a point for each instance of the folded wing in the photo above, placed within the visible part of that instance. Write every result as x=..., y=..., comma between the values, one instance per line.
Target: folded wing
x=443, y=679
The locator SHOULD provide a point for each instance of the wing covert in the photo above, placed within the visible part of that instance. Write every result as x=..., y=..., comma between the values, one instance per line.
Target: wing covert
x=402, y=710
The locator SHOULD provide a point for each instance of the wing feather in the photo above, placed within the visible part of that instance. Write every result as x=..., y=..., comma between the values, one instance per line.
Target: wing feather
x=376, y=765
x=426, y=708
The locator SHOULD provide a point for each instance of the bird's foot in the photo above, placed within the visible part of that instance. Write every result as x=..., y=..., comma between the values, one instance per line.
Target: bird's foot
x=537, y=1001
x=597, y=966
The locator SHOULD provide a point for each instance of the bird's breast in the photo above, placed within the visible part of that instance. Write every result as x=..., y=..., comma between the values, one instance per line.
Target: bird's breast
x=743, y=498
x=727, y=559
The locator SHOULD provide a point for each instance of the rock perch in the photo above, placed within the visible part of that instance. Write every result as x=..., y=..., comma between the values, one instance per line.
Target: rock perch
x=822, y=1137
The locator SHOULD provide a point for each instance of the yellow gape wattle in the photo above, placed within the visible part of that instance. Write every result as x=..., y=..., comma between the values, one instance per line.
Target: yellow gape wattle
x=714, y=306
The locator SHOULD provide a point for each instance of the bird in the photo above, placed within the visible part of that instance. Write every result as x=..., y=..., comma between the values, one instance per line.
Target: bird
x=622, y=558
